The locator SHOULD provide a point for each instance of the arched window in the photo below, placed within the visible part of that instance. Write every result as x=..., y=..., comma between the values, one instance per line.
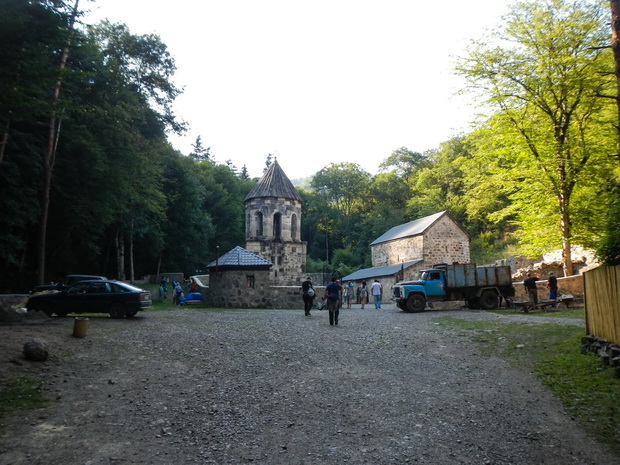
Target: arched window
x=259, y=224
x=277, y=225
x=294, y=227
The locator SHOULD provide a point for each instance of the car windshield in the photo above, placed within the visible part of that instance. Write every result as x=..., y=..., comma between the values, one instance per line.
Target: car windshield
x=423, y=276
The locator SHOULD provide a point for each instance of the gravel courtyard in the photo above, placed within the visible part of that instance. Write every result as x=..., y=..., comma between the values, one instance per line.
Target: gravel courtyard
x=188, y=386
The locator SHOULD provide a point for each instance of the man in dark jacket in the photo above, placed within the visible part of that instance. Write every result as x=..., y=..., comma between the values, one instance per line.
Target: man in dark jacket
x=552, y=285
x=308, y=295
x=532, y=291
x=332, y=292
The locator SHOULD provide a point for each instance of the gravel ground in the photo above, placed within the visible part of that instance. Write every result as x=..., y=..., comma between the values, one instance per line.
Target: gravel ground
x=276, y=387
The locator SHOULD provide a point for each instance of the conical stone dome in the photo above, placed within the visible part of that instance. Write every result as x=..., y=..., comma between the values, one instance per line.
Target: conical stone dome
x=274, y=183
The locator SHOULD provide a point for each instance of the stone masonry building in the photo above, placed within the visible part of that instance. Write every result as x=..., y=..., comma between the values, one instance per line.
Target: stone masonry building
x=273, y=226
x=407, y=248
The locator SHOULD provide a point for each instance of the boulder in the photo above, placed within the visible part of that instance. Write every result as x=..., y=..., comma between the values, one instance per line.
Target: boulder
x=36, y=350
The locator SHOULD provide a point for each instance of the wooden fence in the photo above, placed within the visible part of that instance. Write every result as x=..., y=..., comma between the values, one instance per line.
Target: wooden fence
x=602, y=301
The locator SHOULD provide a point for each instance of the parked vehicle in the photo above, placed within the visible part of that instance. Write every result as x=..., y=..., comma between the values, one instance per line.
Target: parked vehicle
x=479, y=286
x=116, y=298
x=68, y=281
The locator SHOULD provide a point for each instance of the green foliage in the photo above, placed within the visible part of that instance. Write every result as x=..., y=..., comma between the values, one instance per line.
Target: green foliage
x=543, y=73
x=609, y=248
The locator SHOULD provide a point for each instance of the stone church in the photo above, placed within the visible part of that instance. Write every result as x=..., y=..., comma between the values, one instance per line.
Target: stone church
x=273, y=226
x=407, y=248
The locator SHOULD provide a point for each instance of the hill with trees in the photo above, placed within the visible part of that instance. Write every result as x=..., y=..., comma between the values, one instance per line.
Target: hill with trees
x=89, y=182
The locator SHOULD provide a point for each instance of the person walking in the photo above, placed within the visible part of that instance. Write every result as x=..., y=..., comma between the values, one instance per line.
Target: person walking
x=552, y=285
x=363, y=294
x=332, y=292
x=308, y=295
x=377, y=292
x=349, y=294
x=178, y=293
x=532, y=290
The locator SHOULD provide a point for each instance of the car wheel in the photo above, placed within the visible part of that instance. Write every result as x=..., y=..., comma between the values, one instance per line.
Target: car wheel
x=44, y=308
x=489, y=300
x=131, y=314
x=117, y=311
x=416, y=303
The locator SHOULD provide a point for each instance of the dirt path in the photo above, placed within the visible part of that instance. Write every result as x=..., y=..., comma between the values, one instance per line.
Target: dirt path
x=276, y=387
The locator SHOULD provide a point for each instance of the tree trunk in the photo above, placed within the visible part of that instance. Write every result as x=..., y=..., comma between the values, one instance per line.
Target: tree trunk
x=5, y=137
x=132, y=276
x=565, y=227
x=120, y=255
x=48, y=158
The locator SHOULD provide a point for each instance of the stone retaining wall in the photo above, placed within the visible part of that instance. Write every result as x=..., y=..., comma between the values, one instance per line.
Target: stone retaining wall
x=608, y=352
x=572, y=285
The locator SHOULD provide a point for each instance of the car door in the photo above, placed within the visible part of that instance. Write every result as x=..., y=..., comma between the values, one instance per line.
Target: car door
x=75, y=298
x=98, y=297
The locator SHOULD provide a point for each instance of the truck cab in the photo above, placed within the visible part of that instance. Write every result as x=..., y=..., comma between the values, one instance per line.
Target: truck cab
x=412, y=295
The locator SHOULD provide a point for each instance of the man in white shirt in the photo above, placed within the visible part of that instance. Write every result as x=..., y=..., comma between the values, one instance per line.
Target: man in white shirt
x=377, y=292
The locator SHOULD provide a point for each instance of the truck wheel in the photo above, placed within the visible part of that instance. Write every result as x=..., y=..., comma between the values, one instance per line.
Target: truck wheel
x=416, y=303
x=488, y=300
x=473, y=303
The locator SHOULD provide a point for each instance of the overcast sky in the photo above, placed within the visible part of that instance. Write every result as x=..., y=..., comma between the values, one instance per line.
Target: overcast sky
x=313, y=82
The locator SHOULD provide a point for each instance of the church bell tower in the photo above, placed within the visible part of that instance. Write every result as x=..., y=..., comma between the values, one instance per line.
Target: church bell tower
x=273, y=226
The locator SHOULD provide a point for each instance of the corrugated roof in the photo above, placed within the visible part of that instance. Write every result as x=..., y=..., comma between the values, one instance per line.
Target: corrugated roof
x=413, y=228
x=367, y=273
x=239, y=257
x=274, y=183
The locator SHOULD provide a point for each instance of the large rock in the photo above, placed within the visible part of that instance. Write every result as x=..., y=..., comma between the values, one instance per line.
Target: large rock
x=36, y=350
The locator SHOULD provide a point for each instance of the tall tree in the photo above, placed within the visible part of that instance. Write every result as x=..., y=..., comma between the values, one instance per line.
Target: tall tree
x=199, y=153
x=52, y=141
x=541, y=72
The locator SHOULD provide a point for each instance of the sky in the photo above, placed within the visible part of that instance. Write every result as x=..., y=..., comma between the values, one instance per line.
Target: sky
x=313, y=82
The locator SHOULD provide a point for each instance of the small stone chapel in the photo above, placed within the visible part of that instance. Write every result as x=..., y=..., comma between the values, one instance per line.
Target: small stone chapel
x=273, y=226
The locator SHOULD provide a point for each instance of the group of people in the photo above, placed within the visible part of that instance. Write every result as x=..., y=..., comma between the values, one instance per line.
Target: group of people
x=532, y=290
x=336, y=294
x=177, y=291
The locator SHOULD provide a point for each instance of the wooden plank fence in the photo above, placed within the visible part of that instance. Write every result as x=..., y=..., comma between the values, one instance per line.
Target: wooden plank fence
x=602, y=302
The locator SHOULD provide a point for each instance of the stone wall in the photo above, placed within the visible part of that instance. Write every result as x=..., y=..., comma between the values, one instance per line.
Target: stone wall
x=608, y=352
x=267, y=208
x=571, y=285
x=288, y=259
x=397, y=251
x=443, y=242
x=231, y=289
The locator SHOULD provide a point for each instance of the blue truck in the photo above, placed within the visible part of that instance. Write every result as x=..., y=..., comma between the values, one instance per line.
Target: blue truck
x=478, y=286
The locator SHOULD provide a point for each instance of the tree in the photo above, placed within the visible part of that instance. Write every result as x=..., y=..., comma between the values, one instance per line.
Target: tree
x=405, y=162
x=50, y=152
x=200, y=153
x=541, y=73
x=268, y=162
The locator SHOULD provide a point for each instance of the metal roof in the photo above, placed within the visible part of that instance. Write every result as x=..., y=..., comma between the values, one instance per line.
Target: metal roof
x=239, y=257
x=367, y=273
x=274, y=183
x=413, y=228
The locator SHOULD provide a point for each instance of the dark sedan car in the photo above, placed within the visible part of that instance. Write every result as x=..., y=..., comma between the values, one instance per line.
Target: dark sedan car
x=113, y=297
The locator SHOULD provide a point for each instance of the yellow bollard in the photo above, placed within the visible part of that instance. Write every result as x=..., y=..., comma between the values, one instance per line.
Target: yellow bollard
x=80, y=326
